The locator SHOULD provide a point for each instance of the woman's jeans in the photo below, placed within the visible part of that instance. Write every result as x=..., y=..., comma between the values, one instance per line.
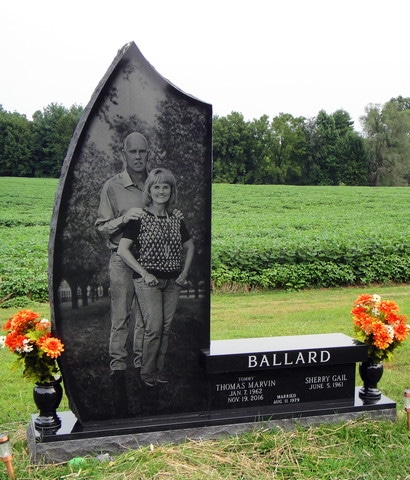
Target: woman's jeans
x=158, y=305
x=123, y=305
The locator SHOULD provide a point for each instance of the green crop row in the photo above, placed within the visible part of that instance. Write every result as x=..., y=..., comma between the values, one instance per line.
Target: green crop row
x=321, y=263
x=318, y=273
x=298, y=237
x=24, y=262
x=266, y=237
x=25, y=211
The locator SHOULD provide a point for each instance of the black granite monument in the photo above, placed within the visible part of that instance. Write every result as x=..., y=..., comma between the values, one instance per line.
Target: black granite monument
x=132, y=97
x=213, y=387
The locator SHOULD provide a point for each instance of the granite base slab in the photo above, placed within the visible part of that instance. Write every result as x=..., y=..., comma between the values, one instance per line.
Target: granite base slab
x=73, y=440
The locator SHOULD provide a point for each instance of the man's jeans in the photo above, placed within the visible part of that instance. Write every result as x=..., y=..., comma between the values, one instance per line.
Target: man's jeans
x=158, y=305
x=123, y=304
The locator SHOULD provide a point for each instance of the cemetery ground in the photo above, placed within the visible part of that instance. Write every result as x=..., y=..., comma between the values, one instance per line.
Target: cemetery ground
x=361, y=449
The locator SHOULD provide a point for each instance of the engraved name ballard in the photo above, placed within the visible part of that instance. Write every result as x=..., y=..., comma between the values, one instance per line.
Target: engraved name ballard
x=286, y=359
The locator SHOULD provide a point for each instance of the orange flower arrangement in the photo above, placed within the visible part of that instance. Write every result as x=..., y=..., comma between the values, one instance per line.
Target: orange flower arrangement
x=379, y=324
x=29, y=337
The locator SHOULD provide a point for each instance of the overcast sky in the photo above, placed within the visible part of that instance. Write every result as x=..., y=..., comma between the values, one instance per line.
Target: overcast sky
x=254, y=57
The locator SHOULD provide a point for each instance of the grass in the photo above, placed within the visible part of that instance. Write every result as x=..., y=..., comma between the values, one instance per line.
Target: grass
x=353, y=450
x=361, y=449
x=278, y=313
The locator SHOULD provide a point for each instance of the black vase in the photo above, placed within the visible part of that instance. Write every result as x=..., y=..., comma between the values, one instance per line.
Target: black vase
x=47, y=397
x=371, y=373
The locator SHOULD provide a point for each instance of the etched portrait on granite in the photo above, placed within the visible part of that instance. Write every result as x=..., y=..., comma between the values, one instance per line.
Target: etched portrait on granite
x=130, y=248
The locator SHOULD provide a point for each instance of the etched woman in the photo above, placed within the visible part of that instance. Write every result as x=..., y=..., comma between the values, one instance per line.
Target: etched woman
x=165, y=254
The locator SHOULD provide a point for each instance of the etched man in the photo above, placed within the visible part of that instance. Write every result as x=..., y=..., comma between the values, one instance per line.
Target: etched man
x=120, y=202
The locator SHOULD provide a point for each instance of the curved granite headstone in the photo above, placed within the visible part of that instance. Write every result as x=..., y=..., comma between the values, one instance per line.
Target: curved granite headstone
x=132, y=96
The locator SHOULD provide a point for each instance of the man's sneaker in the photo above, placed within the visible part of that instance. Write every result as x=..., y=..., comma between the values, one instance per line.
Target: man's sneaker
x=161, y=379
x=149, y=382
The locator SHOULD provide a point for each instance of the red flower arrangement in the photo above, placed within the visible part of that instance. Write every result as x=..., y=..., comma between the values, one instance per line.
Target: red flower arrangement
x=29, y=337
x=379, y=324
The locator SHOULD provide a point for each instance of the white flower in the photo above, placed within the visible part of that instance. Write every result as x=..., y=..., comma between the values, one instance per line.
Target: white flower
x=376, y=298
x=27, y=346
x=375, y=311
x=390, y=331
x=2, y=341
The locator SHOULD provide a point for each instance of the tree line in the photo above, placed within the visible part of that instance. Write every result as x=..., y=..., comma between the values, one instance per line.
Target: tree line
x=323, y=150
x=37, y=147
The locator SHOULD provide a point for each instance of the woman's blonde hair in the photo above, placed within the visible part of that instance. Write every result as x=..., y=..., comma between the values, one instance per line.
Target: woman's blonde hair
x=159, y=175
